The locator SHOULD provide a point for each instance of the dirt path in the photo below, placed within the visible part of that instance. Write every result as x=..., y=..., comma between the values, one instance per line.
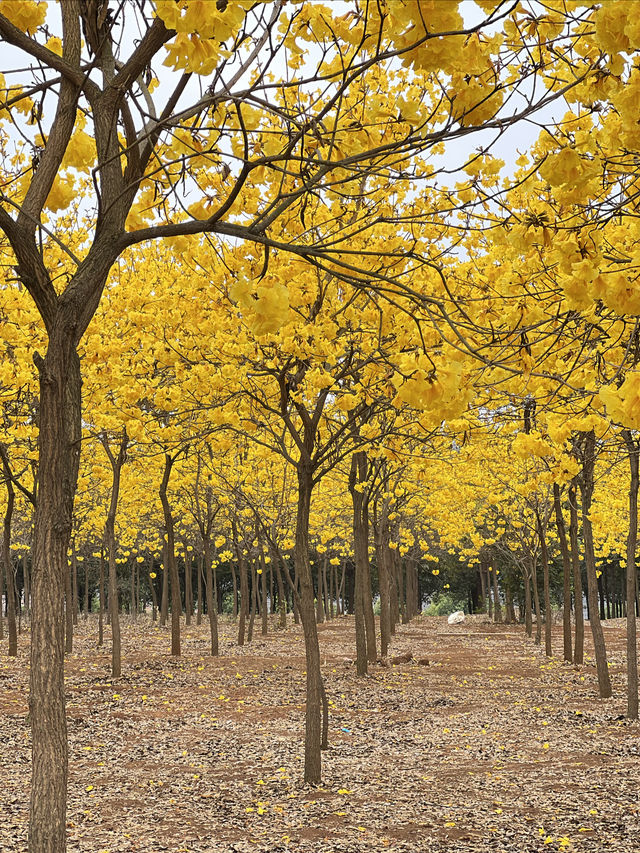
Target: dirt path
x=490, y=747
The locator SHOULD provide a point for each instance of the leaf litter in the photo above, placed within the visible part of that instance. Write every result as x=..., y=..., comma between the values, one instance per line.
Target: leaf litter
x=492, y=746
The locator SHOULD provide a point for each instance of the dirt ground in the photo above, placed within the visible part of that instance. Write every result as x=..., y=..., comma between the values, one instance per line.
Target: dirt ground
x=492, y=747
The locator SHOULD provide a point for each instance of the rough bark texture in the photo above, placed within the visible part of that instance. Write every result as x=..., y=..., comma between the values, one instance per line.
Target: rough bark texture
x=604, y=682
x=212, y=610
x=68, y=611
x=172, y=567
x=357, y=476
x=101, y=600
x=536, y=600
x=632, y=540
x=497, y=609
x=314, y=689
x=8, y=566
x=566, y=574
x=542, y=533
x=264, y=610
x=59, y=443
x=117, y=461
x=188, y=586
x=578, y=651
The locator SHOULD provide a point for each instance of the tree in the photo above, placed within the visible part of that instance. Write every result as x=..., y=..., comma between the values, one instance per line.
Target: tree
x=140, y=164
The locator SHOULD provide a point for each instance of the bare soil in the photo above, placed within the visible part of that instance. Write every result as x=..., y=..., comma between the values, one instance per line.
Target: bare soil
x=492, y=747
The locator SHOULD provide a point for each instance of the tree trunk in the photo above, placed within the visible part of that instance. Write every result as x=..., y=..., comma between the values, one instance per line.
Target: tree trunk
x=8, y=566
x=483, y=586
x=542, y=533
x=188, y=586
x=604, y=682
x=199, y=610
x=566, y=574
x=394, y=611
x=509, y=608
x=497, y=609
x=314, y=688
x=85, y=606
x=164, y=595
x=527, y=575
x=27, y=586
x=536, y=600
x=59, y=442
x=384, y=571
x=578, y=652
x=68, y=610
x=101, y=600
x=632, y=539
x=244, y=592
x=357, y=476
x=264, y=611
x=132, y=589
x=282, y=598
x=110, y=541
x=74, y=582
x=325, y=587
x=319, y=595
x=174, y=577
x=253, y=598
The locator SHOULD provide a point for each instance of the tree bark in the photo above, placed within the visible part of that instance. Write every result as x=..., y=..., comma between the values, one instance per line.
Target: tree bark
x=357, y=476
x=74, y=582
x=542, y=533
x=164, y=595
x=497, y=609
x=8, y=566
x=536, y=600
x=264, y=612
x=110, y=541
x=174, y=578
x=188, y=586
x=319, y=594
x=566, y=574
x=604, y=682
x=578, y=651
x=85, y=606
x=282, y=598
x=59, y=442
x=244, y=588
x=199, y=586
x=632, y=540
x=314, y=688
x=101, y=600
x=527, y=576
